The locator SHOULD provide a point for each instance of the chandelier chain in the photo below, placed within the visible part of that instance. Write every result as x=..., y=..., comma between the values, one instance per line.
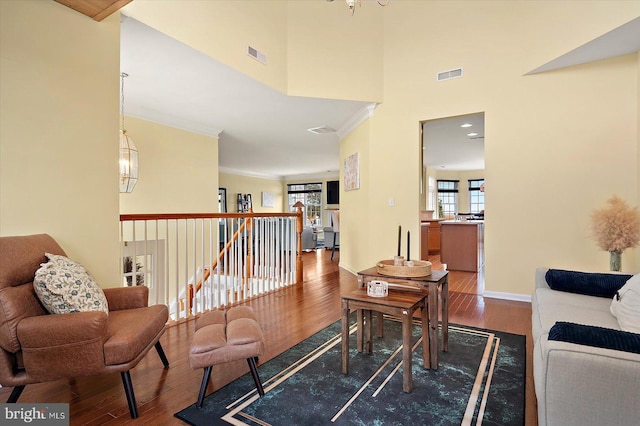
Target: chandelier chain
x=122, y=76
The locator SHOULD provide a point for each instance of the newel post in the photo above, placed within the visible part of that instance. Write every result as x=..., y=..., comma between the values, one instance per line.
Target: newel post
x=249, y=248
x=299, y=249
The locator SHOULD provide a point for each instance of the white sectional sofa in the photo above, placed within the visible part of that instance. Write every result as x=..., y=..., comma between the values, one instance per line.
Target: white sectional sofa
x=587, y=372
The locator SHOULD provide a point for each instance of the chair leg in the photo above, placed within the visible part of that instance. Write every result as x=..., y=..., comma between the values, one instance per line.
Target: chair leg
x=203, y=386
x=254, y=373
x=333, y=246
x=131, y=397
x=161, y=354
x=15, y=394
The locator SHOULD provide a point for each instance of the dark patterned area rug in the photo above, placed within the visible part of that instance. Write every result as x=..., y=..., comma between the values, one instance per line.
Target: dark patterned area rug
x=480, y=380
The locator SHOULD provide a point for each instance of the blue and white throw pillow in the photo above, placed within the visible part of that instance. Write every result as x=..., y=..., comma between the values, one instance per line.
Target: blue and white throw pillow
x=626, y=305
x=64, y=286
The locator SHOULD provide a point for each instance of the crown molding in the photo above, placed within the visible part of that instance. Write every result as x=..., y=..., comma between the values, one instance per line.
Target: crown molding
x=355, y=120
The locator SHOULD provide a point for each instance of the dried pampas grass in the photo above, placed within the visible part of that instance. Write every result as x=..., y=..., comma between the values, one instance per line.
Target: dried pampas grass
x=616, y=226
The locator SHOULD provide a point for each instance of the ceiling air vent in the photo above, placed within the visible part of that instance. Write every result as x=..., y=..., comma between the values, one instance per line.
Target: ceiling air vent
x=448, y=75
x=321, y=130
x=255, y=54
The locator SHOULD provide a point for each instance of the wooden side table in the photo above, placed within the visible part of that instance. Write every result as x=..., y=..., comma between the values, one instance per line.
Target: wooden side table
x=400, y=304
x=428, y=284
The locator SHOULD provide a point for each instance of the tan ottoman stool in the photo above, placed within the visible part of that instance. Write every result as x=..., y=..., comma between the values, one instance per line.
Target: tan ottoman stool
x=225, y=336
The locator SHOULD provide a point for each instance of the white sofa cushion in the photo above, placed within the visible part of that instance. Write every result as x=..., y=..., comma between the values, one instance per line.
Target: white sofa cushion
x=626, y=305
x=551, y=306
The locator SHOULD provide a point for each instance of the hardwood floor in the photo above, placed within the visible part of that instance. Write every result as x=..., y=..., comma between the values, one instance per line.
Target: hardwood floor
x=287, y=316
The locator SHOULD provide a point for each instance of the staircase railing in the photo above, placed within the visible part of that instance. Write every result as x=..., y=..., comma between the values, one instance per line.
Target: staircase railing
x=198, y=262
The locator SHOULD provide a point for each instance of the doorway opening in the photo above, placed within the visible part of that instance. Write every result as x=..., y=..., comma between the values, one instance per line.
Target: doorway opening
x=452, y=199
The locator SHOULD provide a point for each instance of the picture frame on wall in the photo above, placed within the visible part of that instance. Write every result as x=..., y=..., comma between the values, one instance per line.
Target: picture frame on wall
x=352, y=172
x=268, y=199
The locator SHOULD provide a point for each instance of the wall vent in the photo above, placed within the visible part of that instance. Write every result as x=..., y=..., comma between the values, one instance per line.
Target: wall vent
x=448, y=75
x=321, y=130
x=257, y=55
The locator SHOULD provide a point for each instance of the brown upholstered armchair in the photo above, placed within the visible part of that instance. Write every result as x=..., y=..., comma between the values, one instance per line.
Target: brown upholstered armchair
x=38, y=347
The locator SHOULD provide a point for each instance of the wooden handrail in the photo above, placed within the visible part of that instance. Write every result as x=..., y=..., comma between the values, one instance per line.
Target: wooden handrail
x=173, y=216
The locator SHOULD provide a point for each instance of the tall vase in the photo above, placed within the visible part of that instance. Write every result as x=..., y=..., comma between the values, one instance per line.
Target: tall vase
x=615, y=261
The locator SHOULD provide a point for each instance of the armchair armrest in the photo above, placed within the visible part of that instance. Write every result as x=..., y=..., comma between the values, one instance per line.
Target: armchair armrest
x=65, y=345
x=121, y=298
x=52, y=330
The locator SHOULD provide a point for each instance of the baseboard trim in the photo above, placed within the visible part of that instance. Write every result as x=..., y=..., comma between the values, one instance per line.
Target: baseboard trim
x=507, y=296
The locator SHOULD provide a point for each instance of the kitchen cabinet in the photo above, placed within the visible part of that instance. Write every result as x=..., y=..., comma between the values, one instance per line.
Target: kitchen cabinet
x=434, y=235
x=424, y=241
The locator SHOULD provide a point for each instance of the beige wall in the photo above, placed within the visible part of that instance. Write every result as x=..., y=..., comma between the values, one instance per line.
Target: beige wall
x=178, y=170
x=239, y=184
x=223, y=30
x=355, y=212
x=59, y=83
x=59, y=95
x=527, y=161
x=580, y=150
x=637, y=250
x=324, y=57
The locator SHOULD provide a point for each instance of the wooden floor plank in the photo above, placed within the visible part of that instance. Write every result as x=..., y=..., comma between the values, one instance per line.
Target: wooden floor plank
x=287, y=316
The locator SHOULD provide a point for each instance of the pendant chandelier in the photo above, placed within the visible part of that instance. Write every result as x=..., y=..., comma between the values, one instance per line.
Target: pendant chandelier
x=128, y=151
x=351, y=4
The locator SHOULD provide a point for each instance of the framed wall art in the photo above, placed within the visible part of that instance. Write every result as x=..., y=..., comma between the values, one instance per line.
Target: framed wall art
x=352, y=172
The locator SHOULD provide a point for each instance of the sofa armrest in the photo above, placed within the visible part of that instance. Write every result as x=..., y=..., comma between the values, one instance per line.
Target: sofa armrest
x=599, y=337
x=121, y=298
x=541, y=281
x=585, y=385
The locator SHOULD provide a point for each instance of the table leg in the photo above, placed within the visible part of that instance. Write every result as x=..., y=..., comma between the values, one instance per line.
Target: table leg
x=345, y=336
x=445, y=314
x=407, y=377
x=433, y=324
x=359, y=320
x=426, y=355
x=368, y=344
x=379, y=323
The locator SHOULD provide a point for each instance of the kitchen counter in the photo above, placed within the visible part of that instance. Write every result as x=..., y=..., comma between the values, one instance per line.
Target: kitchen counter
x=462, y=245
x=460, y=222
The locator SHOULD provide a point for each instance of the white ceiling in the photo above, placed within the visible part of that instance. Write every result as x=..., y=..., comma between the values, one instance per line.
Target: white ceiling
x=447, y=146
x=262, y=132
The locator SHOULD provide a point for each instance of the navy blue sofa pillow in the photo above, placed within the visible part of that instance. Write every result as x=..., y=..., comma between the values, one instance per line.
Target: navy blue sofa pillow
x=588, y=283
x=599, y=337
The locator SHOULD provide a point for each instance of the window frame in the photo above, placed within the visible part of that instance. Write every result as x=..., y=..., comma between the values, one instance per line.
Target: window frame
x=310, y=194
x=476, y=196
x=447, y=197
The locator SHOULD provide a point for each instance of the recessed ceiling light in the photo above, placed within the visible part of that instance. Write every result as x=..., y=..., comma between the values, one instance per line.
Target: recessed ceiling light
x=466, y=125
x=472, y=134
